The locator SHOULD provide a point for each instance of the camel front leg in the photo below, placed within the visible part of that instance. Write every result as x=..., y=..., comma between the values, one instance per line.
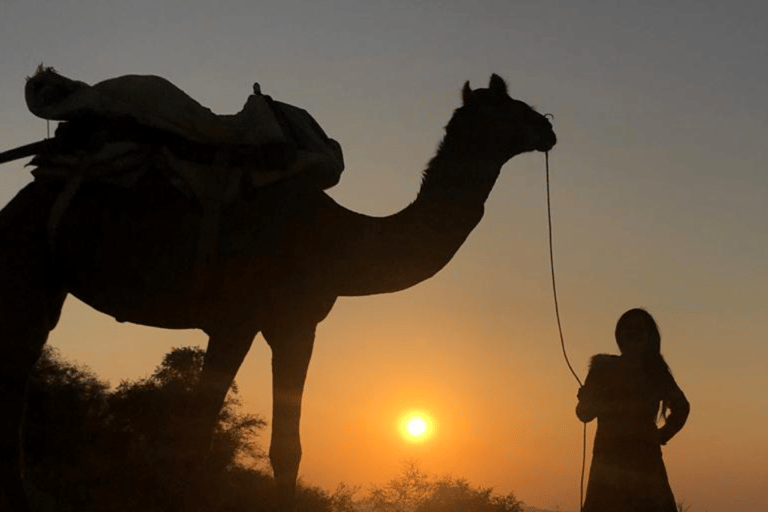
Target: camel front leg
x=291, y=352
x=226, y=351
x=30, y=304
x=223, y=357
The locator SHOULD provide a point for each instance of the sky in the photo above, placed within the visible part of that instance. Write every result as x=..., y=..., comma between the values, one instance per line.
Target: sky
x=659, y=192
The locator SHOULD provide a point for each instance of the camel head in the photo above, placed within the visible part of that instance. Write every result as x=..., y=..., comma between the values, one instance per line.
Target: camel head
x=492, y=122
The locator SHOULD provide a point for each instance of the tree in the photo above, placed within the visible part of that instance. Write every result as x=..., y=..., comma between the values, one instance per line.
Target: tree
x=415, y=491
x=125, y=450
x=159, y=412
x=68, y=396
x=65, y=416
x=404, y=492
x=156, y=417
x=342, y=499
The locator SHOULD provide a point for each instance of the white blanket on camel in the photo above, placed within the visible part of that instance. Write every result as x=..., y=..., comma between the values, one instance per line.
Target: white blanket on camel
x=155, y=102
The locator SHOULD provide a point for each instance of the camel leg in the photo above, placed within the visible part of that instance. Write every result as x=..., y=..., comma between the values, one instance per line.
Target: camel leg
x=30, y=305
x=223, y=357
x=291, y=352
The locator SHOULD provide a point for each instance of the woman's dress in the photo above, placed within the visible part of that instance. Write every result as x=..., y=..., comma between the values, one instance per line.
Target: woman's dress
x=628, y=473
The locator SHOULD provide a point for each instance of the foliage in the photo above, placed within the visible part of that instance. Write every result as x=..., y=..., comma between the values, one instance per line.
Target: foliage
x=128, y=450
x=66, y=412
x=158, y=413
x=71, y=397
x=342, y=499
x=404, y=492
x=415, y=491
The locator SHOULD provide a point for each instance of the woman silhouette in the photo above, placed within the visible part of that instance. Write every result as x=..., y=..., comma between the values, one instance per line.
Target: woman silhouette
x=625, y=393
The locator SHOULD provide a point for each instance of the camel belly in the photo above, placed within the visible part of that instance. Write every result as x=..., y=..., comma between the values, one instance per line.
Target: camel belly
x=130, y=253
x=141, y=256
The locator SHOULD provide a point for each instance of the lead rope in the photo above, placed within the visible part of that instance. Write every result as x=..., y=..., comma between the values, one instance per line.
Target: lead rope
x=560, y=329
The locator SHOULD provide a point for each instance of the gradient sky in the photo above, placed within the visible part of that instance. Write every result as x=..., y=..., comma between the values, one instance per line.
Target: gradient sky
x=659, y=200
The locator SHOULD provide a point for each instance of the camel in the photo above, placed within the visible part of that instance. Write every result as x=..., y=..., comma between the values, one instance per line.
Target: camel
x=284, y=253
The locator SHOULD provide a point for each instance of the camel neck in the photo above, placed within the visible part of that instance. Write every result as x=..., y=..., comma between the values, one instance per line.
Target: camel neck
x=459, y=173
x=412, y=245
x=396, y=252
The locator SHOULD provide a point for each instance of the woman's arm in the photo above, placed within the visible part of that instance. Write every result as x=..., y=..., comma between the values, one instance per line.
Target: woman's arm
x=586, y=409
x=679, y=409
x=591, y=401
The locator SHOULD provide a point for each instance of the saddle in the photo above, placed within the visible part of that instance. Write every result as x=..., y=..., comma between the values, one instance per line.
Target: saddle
x=109, y=127
x=119, y=129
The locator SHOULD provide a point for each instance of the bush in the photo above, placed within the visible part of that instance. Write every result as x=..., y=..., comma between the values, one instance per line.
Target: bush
x=91, y=449
x=129, y=450
x=415, y=491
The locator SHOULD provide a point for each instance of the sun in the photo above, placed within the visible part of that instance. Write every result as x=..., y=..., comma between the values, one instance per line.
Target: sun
x=415, y=426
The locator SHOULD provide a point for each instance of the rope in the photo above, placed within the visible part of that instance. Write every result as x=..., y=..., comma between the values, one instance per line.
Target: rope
x=552, y=268
x=560, y=328
x=583, y=465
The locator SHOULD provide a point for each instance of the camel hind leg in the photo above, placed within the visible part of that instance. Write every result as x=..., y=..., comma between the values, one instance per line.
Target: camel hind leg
x=30, y=304
x=291, y=344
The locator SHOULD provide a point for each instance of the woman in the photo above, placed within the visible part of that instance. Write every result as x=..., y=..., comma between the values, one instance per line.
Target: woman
x=625, y=394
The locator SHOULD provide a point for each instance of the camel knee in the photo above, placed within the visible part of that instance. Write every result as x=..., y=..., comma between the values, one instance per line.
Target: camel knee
x=285, y=460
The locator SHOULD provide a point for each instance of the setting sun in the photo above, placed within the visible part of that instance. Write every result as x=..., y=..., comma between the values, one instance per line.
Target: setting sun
x=415, y=426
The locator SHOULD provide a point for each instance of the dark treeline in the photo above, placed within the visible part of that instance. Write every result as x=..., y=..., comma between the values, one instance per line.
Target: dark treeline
x=89, y=448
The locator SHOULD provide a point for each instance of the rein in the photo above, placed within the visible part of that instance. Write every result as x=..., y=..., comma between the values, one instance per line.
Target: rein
x=560, y=327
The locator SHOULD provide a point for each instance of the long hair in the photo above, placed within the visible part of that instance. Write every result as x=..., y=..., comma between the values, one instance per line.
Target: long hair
x=652, y=361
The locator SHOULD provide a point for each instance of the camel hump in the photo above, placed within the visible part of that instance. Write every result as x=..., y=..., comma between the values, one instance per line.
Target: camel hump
x=154, y=103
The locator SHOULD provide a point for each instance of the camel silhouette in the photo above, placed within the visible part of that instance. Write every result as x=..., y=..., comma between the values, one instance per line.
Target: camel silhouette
x=284, y=253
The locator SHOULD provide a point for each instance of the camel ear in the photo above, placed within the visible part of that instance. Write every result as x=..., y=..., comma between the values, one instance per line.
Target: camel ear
x=465, y=93
x=497, y=85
